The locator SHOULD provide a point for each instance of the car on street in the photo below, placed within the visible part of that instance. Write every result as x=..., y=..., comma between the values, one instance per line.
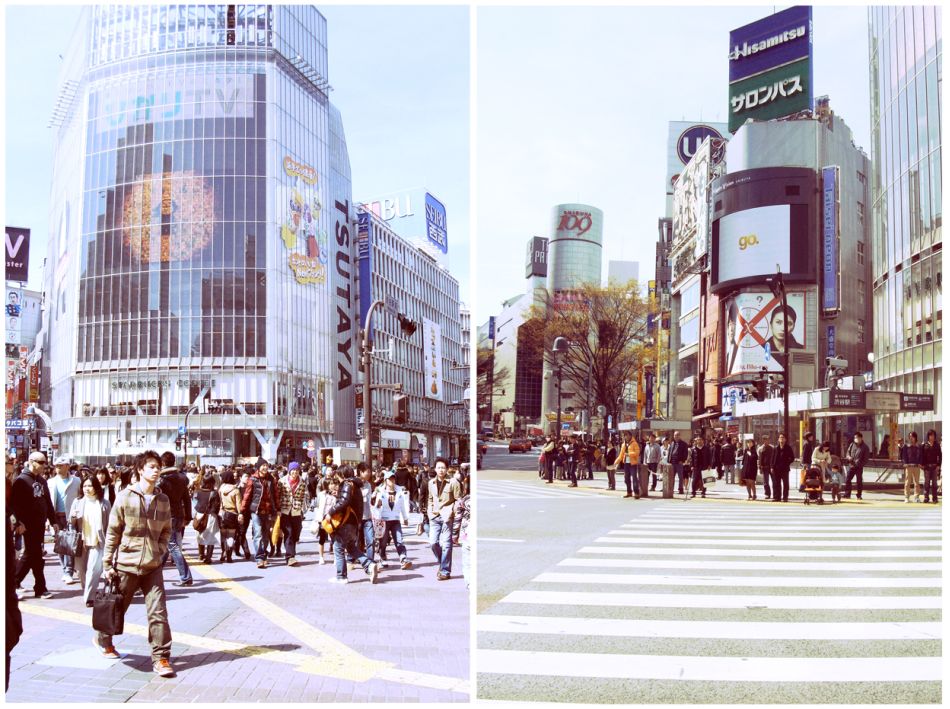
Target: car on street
x=521, y=445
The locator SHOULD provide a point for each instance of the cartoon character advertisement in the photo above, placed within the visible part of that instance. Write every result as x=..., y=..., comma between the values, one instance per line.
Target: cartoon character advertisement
x=300, y=228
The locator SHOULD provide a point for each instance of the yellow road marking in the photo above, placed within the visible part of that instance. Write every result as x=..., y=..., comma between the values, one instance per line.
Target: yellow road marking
x=335, y=658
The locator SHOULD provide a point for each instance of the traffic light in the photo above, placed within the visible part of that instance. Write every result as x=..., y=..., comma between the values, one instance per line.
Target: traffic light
x=401, y=408
x=760, y=390
x=178, y=443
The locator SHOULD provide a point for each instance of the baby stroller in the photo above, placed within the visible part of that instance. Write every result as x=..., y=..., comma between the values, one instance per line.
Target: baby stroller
x=813, y=486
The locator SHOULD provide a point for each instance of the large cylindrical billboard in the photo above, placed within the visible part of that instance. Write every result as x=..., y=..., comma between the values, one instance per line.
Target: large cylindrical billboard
x=764, y=220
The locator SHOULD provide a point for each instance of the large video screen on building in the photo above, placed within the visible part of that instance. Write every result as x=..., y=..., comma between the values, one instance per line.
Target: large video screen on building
x=764, y=220
x=754, y=241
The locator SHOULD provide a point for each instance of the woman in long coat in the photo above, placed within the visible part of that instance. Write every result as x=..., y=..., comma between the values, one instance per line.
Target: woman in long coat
x=750, y=467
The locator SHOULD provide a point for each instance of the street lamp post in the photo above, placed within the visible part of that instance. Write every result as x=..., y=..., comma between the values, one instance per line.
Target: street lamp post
x=780, y=287
x=187, y=414
x=560, y=346
x=408, y=328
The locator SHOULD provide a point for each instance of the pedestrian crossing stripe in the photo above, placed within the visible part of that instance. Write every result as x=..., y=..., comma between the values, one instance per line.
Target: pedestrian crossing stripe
x=620, y=538
x=721, y=601
x=507, y=490
x=790, y=525
x=728, y=630
x=711, y=669
x=713, y=580
x=808, y=553
x=814, y=533
x=757, y=565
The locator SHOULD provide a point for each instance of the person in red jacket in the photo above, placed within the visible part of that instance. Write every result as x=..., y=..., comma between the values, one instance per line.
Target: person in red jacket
x=262, y=504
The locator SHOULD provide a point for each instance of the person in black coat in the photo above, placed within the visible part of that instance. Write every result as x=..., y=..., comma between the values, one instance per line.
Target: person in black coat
x=347, y=517
x=679, y=457
x=699, y=456
x=727, y=456
x=610, y=459
x=930, y=459
x=808, y=448
x=33, y=508
x=782, y=458
x=749, y=467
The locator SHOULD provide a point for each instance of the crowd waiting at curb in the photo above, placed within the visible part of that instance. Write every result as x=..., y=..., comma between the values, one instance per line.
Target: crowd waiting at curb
x=132, y=521
x=699, y=461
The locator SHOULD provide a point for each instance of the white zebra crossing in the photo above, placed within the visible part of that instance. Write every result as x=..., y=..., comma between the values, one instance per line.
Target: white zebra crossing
x=856, y=569
x=517, y=490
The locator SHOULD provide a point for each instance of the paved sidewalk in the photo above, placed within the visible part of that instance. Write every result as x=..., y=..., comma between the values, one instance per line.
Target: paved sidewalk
x=248, y=634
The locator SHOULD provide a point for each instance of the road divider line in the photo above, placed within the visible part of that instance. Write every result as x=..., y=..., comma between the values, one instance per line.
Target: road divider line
x=711, y=669
x=790, y=526
x=757, y=565
x=713, y=579
x=712, y=551
x=706, y=630
x=722, y=601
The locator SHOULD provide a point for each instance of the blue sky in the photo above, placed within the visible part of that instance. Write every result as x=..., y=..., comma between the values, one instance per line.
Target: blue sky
x=400, y=78
x=574, y=103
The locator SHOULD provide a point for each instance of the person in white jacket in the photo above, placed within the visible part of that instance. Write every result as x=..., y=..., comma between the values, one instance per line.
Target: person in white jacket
x=391, y=501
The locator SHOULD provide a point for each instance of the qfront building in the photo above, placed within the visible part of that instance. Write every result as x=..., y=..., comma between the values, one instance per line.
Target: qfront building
x=202, y=261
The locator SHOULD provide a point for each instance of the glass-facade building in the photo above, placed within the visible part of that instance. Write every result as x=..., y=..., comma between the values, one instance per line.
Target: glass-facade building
x=200, y=216
x=906, y=51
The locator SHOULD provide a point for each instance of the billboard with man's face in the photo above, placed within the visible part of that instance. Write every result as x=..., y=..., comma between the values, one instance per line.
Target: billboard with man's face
x=754, y=334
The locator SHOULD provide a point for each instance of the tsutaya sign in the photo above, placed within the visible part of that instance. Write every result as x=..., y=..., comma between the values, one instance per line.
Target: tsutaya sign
x=770, y=67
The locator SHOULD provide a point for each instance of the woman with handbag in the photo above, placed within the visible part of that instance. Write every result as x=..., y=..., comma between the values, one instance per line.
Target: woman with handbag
x=750, y=467
x=90, y=514
x=230, y=496
x=326, y=498
x=206, y=521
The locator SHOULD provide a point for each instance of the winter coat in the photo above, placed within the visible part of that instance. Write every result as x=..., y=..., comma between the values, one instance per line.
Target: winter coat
x=630, y=452
x=782, y=459
x=679, y=451
x=174, y=485
x=78, y=511
x=138, y=535
x=911, y=455
x=728, y=454
x=260, y=495
x=750, y=462
x=858, y=454
x=292, y=502
x=31, y=503
x=931, y=454
x=766, y=453
x=350, y=496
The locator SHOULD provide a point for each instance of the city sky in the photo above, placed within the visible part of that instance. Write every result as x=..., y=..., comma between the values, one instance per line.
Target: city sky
x=401, y=81
x=574, y=103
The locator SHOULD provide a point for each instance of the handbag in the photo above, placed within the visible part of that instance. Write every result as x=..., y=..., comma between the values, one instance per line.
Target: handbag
x=335, y=521
x=107, y=614
x=200, y=522
x=68, y=542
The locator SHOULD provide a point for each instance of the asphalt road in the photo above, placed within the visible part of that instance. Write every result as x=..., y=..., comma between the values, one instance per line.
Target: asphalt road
x=584, y=596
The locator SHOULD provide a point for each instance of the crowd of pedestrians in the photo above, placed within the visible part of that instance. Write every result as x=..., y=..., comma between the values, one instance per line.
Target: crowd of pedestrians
x=694, y=464
x=133, y=521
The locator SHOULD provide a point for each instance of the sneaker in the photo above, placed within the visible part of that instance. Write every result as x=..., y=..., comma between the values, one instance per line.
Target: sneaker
x=337, y=579
x=321, y=561
x=262, y=564
x=443, y=577
x=46, y=595
x=292, y=561
x=406, y=564
x=68, y=579
x=628, y=495
x=21, y=594
x=906, y=500
x=373, y=572
x=107, y=651
x=918, y=499
x=163, y=668
x=189, y=582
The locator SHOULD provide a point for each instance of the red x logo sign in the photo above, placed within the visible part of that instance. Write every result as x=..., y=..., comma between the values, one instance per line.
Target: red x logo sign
x=748, y=327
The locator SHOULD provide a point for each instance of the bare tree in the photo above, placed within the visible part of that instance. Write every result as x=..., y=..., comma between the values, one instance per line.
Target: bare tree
x=606, y=328
x=490, y=384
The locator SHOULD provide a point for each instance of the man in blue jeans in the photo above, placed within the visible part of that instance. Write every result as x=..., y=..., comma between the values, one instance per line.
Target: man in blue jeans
x=366, y=488
x=64, y=488
x=346, y=516
x=443, y=492
x=261, y=503
x=173, y=483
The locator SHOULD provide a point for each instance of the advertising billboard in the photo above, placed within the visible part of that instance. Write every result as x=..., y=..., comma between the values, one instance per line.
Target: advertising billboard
x=432, y=359
x=770, y=67
x=754, y=325
x=536, y=260
x=364, y=254
x=830, y=231
x=763, y=218
x=435, y=224
x=683, y=141
x=300, y=229
x=18, y=254
x=754, y=241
